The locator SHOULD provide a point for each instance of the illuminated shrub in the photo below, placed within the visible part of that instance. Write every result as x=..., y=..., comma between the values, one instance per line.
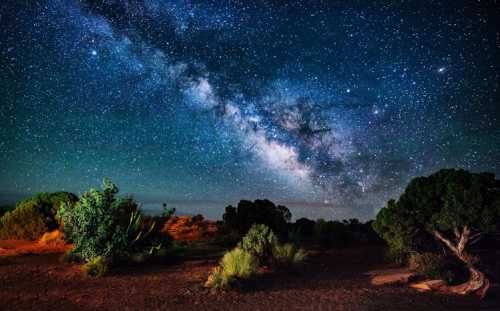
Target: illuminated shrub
x=34, y=216
x=25, y=222
x=236, y=265
x=288, y=255
x=104, y=225
x=259, y=241
x=97, y=266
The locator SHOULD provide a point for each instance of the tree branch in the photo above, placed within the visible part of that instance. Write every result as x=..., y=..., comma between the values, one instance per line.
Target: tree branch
x=445, y=241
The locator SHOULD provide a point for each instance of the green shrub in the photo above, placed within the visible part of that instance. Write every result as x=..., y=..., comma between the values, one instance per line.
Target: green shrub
x=428, y=265
x=97, y=266
x=235, y=265
x=48, y=204
x=98, y=223
x=287, y=255
x=103, y=225
x=34, y=216
x=24, y=222
x=259, y=241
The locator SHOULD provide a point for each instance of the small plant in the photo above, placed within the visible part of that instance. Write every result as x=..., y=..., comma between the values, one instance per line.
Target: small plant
x=288, y=255
x=259, y=241
x=167, y=212
x=97, y=266
x=236, y=265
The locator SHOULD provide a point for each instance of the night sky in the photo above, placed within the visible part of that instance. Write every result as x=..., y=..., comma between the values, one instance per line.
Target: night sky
x=328, y=107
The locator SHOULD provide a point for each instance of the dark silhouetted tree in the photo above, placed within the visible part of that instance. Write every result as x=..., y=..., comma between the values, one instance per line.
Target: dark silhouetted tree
x=455, y=206
x=241, y=218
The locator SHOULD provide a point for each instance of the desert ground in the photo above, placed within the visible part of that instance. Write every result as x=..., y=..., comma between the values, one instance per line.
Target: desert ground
x=36, y=279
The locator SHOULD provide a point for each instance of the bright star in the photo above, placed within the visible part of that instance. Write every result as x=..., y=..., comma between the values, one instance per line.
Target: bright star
x=93, y=52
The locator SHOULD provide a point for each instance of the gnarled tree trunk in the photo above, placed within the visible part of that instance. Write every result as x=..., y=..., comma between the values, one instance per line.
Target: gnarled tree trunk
x=477, y=282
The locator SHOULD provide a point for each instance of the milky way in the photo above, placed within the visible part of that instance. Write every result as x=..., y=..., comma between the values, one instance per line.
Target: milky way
x=330, y=108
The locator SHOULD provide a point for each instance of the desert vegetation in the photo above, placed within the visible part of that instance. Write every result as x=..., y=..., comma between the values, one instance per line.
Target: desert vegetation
x=433, y=230
x=451, y=209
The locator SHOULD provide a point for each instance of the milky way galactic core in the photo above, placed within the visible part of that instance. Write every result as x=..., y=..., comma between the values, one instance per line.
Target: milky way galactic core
x=326, y=105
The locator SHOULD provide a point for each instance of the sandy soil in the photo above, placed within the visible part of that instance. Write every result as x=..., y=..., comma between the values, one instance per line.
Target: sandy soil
x=336, y=280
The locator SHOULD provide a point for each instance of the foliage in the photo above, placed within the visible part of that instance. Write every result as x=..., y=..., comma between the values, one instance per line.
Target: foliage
x=97, y=266
x=167, y=212
x=437, y=266
x=48, y=204
x=331, y=233
x=446, y=201
x=24, y=222
x=429, y=265
x=305, y=227
x=259, y=241
x=101, y=224
x=248, y=213
x=34, y=216
x=5, y=208
x=288, y=254
x=237, y=264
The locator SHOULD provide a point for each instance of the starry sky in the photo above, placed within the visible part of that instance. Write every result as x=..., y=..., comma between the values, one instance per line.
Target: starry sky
x=328, y=107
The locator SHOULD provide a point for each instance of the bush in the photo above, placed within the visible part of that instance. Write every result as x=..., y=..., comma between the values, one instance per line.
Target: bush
x=34, y=216
x=235, y=265
x=48, y=204
x=288, y=255
x=259, y=241
x=428, y=265
x=23, y=223
x=97, y=266
x=246, y=214
x=97, y=223
x=332, y=233
x=101, y=224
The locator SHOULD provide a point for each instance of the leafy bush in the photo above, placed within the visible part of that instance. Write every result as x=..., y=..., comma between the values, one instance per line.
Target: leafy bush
x=287, y=255
x=237, y=264
x=24, y=222
x=101, y=224
x=97, y=266
x=48, y=204
x=34, y=216
x=332, y=233
x=259, y=241
x=437, y=266
x=428, y=265
x=241, y=218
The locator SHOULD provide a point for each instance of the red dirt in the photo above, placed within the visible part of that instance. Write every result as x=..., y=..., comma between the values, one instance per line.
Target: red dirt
x=330, y=281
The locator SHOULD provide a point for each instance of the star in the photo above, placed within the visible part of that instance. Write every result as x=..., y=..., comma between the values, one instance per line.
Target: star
x=204, y=104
